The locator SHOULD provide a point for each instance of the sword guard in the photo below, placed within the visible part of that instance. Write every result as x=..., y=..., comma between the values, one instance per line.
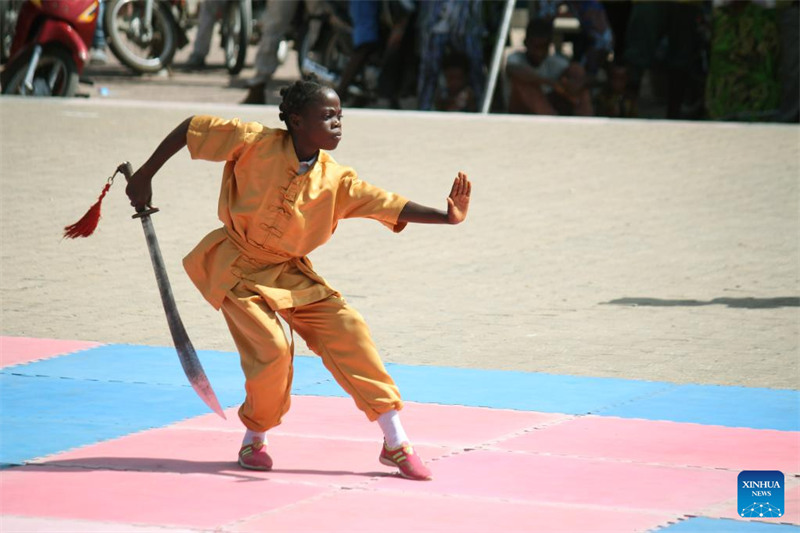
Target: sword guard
x=145, y=212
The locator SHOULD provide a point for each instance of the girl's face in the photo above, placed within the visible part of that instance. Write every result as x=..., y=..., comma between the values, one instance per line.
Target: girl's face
x=320, y=124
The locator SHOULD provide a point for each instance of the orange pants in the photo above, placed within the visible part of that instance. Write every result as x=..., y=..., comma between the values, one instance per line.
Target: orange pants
x=331, y=328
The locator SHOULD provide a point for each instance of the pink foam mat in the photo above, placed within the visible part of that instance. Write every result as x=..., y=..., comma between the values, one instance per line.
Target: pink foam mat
x=668, y=443
x=184, y=500
x=18, y=350
x=494, y=470
x=388, y=511
x=27, y=524
x=447, y=425
x=322, y=461
x=568, y=480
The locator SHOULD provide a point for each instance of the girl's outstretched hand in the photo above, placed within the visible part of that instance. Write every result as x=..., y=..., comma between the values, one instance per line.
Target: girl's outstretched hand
x=458, y=201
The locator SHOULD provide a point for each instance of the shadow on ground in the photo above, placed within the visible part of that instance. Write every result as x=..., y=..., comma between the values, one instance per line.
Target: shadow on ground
x=176, y=466
x=737, y=303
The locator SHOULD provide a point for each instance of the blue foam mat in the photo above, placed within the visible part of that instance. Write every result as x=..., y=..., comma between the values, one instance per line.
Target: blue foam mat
x=703, y=404
x=717, y=405
x=113, y=390
x=525, y=391
x=713, y=525
x=155, y=365
x=45, y=415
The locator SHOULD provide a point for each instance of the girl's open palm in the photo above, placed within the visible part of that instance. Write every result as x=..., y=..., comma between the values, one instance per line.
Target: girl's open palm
x=458, y=201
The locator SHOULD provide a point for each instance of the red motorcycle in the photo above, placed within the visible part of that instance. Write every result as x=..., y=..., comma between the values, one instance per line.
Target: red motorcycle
x=50, y=48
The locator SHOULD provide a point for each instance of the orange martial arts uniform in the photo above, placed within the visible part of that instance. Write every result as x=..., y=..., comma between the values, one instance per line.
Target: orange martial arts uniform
x=255, y=267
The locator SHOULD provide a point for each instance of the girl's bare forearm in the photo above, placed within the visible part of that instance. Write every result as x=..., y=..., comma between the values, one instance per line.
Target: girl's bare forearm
x=171, y=144
x=420, y=214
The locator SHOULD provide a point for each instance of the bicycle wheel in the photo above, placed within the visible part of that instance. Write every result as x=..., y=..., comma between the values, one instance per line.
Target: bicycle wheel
x=237, y=21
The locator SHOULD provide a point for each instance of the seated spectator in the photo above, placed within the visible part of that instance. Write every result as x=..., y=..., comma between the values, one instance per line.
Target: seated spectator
x=457, y=95
x=615, y=100
x=594, y=42
x=571, y=96
x=539, y=79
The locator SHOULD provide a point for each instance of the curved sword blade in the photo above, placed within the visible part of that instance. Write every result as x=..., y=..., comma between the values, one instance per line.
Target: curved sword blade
x=186, y=352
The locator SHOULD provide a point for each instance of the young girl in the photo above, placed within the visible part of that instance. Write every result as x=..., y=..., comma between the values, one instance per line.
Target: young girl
x=282, y=196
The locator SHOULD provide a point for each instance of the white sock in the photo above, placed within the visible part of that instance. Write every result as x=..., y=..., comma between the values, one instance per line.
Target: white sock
x=393, y=431
x=249, y=435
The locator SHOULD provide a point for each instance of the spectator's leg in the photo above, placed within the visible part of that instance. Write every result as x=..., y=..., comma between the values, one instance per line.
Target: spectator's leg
x=364, y=15
x=529, y=99
x=397, y=61
x=643, y=34
x=97, y=55
x=473, y=49
x=99, y=37
x=205, y=30
x=429, y=65
x=584, y=107
x=275, y=23
x=788, y=22
x=315, y=9
x=618, y=12
x=683, y=42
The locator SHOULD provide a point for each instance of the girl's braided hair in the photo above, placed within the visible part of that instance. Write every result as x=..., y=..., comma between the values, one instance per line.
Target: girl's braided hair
x=297, y=96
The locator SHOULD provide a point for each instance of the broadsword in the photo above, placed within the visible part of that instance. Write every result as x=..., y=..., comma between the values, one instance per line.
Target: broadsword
x=186, y=352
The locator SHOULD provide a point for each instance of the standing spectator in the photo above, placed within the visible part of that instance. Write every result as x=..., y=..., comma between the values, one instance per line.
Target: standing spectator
x=399, y=70
x=364, y=14
x=455, y=26
x=97, y=55
x=789, y=70
x=275, y=23
x=367, y=40
x=674, y=24
x=618, y=12
x=208, y=12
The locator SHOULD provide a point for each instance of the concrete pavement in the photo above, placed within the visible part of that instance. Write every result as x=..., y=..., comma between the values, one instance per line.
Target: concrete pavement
x=638, y=249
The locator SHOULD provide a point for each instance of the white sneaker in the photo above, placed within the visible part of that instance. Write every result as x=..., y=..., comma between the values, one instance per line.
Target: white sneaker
x=97, y=56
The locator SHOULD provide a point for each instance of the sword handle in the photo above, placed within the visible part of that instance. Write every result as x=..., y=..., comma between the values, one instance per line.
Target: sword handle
x=126, y=169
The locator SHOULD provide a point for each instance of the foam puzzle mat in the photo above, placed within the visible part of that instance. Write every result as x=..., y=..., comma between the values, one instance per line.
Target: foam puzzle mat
x=112, y=438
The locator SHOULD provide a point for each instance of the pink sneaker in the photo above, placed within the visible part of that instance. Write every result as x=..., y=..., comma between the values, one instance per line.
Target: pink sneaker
x=404, y=458
x=255, y=457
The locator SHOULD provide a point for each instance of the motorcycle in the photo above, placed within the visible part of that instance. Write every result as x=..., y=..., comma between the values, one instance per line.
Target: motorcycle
x=326, y=55
x=50, y=47
x=145, y=34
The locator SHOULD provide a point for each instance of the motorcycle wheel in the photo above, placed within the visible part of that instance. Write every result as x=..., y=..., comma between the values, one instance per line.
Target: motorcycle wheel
x=125, y=32
x=237, y=22
x=55, y=75
x=9, y=10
